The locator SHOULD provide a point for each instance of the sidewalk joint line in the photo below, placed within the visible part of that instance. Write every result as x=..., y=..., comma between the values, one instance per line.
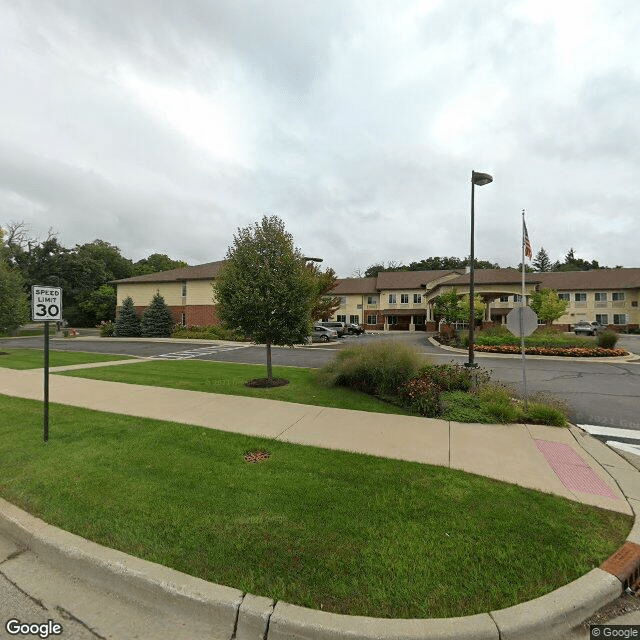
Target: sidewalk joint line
x=22, y=591
x=69, y=616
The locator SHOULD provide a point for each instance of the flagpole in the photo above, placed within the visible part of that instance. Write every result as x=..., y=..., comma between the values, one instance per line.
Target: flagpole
x=524, y=302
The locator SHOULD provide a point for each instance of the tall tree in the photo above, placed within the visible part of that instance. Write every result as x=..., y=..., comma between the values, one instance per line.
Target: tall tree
x=542, y=262
x=154, y=263
x=325, y=282
x=14, y=306
x=265, y=288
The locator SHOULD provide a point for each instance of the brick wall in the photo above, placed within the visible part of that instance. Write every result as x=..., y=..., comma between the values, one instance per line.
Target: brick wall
x=196, y=314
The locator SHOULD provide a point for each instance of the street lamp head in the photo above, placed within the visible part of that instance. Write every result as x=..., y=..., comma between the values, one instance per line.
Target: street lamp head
x=480, y=179
x=306, y=259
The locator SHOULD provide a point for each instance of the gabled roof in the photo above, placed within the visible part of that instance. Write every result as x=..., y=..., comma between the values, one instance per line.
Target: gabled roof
x=354, y=285
x=409, y=279
x=592, y=279
x=206, y=271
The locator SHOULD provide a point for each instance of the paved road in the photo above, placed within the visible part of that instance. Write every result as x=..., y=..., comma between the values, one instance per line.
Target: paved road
x=599, y=393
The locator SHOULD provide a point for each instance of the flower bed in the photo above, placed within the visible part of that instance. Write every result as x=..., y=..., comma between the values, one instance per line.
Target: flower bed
x=575, y=352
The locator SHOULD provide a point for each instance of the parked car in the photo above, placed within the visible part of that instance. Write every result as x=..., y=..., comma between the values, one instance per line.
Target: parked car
x=588, y=328
x=323, y=334
x=339, y=327
x=353, y=328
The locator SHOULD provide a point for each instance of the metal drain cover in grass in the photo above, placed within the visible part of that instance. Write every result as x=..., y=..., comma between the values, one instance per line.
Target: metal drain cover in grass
x=256, y=456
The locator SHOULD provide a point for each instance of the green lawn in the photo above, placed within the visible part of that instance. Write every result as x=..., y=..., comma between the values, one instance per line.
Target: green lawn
x=34, y=358
x=230, y=378
x=326, y=529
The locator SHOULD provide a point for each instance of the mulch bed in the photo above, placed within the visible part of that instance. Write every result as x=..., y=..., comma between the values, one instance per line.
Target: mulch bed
x=264, y=383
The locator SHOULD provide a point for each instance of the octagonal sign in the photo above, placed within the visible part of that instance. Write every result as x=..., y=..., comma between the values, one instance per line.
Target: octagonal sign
x=529, y=321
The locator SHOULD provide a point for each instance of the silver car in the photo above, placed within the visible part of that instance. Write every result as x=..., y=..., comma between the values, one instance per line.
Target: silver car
x=588, y=328
x=323, y=334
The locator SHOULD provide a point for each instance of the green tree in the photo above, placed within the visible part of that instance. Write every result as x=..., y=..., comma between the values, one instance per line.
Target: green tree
x=446, y=307
x=542, y=262
x=325, y=304
x=99, y=305
x=154, y=263
x=14, y=306
x=265, y=288
x=128, y=323
x=156, y=319
x=548, y=305
x=465, y=308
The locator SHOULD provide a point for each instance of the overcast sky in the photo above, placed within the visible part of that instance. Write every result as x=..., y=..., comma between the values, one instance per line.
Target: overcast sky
x=162, y=127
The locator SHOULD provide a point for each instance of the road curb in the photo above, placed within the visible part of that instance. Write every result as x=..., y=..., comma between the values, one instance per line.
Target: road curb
x=214, y=605
x=232, y=613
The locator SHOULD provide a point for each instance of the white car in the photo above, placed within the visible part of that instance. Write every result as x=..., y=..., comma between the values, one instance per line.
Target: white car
x=588, y=328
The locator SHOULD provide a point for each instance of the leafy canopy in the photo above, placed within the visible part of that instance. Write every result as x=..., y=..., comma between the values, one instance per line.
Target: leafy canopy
x=548, y=305
x=264, y=288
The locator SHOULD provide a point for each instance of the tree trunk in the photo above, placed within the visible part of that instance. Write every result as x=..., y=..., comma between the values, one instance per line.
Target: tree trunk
x=269, y=369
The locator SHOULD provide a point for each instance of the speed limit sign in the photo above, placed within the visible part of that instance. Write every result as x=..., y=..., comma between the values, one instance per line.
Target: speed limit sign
x=46, y=303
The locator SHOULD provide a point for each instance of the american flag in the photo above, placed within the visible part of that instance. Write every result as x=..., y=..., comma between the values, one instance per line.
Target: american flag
x=527, y=244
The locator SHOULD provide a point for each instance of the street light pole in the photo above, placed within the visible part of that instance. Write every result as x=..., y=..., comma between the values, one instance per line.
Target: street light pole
x=479, y=179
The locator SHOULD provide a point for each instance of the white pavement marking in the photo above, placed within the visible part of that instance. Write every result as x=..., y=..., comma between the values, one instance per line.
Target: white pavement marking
x=194, y=353
x=596, y=430
x=629, y=448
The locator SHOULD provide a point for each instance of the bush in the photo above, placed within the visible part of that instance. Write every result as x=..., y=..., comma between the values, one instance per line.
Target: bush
x=378, y=369
x=107, y=328
x=607, y=339
x=208, y=332
x=128, y=323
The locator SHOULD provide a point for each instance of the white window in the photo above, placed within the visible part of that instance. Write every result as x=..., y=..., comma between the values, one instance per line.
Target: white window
x=354, y=319
x=341, y=318
x=392, y=319
x=504, y=298
x=602, y=318
x=617, y=295
x=517, y=298
x=580, y=297
x=372, y=299
x=601, y=296
x=372, y=319
x=184, y=289
x=392, y=298
x=404, y=298
x=417, y=298
x=419, y=321
x=619, y=318
x=564, y=296
x=343, y=301
x=183, y=319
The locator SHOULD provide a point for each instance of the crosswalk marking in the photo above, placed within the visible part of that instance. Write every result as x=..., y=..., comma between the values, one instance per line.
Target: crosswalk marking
x=189, y=354
x=611, y=432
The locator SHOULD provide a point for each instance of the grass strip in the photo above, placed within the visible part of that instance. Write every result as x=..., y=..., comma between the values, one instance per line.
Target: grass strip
x=331, y=530
x=34, y=358
x=230, y=379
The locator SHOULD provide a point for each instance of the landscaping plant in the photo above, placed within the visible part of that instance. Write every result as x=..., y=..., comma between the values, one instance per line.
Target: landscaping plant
x=156, y=320
x=128, y=323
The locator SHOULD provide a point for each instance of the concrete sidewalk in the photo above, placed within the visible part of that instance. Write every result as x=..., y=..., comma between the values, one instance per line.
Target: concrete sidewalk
x=117, y=596
x=549, y=459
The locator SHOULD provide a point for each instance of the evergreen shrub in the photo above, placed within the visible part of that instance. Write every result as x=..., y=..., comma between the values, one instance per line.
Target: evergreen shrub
x=128, y=323
x=156, y=320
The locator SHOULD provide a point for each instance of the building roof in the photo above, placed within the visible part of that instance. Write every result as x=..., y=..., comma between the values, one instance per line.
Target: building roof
x=409, y=279
x=495, y=276
x=354, y=285
x=206, y=271
x=592, y=279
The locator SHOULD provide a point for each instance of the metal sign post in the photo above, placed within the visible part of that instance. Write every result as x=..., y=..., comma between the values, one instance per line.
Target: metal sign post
x=46, y=306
